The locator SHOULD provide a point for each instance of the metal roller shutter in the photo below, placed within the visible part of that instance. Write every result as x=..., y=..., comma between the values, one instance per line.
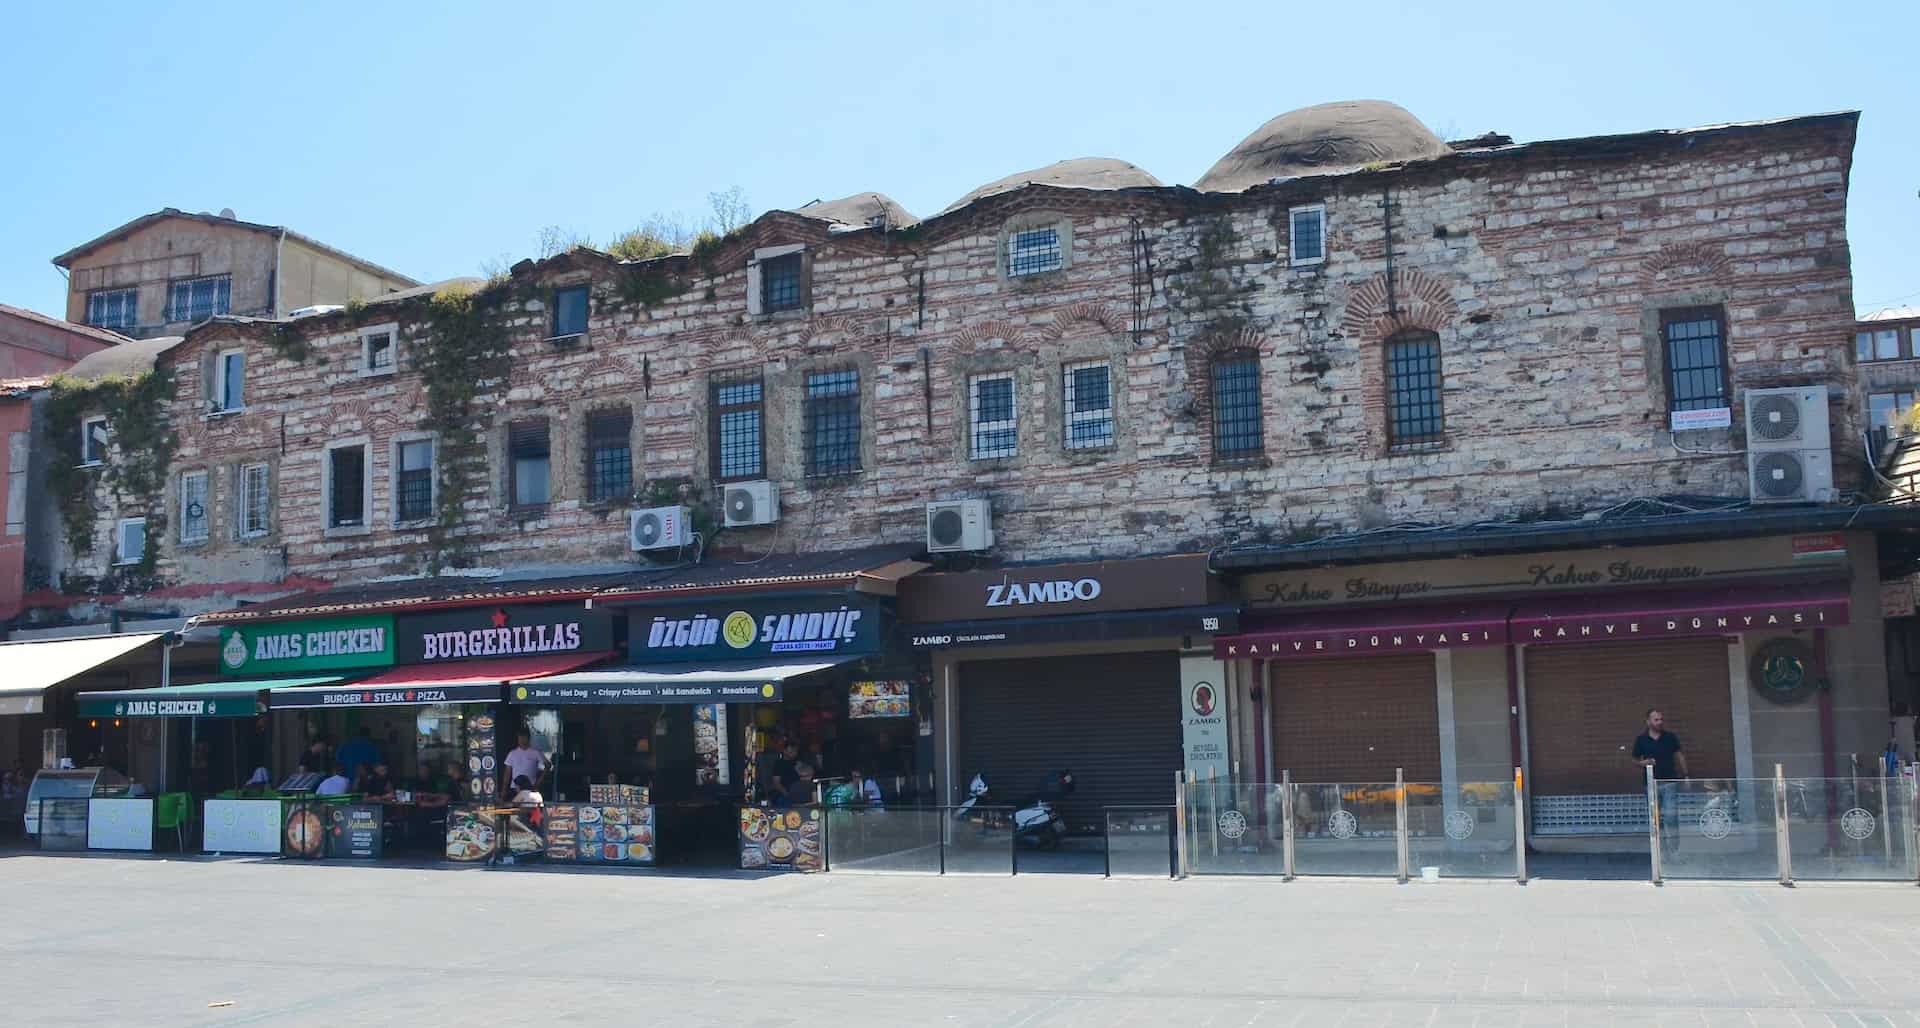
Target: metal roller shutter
x=1586, y=703
x=1355, y=720
x=1114, y=719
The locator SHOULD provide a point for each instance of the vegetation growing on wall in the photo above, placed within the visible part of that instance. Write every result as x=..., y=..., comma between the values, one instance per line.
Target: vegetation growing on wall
x=286, y=343
x=134, y=475
x=648, y=287
x=1205, y=290
x=464, y=352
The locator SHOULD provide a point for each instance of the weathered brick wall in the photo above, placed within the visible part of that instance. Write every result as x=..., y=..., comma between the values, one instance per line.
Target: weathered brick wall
x=1542, y=274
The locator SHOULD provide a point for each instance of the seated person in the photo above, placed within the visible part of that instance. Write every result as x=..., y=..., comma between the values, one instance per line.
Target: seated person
x=431, y=788
x=865, y=790
x=337, y=784
x=524, y=794
x=257, y=784
x=378, y=786
x=800, y=790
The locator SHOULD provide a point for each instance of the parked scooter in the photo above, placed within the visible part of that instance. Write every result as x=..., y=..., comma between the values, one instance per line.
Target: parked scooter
x=1035, y=821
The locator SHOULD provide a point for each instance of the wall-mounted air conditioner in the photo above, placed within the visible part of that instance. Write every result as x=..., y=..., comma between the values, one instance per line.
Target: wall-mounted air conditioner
x=959, y=526
x=1789, y=450
x=659, y=528
x=750, y=503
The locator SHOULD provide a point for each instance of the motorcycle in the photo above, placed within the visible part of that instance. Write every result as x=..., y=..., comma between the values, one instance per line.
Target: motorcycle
x=1035, y=821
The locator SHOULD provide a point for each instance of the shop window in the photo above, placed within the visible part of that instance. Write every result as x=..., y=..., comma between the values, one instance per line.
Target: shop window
x=193, y=507
x=413, y=480
x=569, y=311
x=1031, y=251
x=378, y=348
x=990, y=414
x=1088, y=404
x=227, y=391
x=1237, y=430
x=93, y=440
x=832, y=418
x=347, y=486
x=116, y=309
x=1307, y=235
x=1695, y=341
x=529, y=463
x=1413, y=390
x=736, y=416
x=130, y=542
x=610, y=455
x=198, y=299
x=254, y=508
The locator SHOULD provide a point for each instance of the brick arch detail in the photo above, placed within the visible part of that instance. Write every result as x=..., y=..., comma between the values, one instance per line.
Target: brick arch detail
x=1077, y=316
x=1425, y=304
x=973, y=336
x=1202, y=351
x=1686, y=260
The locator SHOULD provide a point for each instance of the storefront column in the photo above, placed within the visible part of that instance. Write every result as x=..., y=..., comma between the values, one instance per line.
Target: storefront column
x=1740, y=697
x=1449, y=752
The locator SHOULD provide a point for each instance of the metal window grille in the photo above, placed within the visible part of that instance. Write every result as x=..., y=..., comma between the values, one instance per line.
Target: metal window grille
x=780, y=283
x=1308, y=235
x=256, y=500
x=1032, y=251
x=990, y=412
x=529, y=459
x=1413, y=390
x=832, y=412
x=737, y=412
x=1088, y=402
x=610, y=455
x=570, y=311
x=379, y=351
x=233, y=379
x=113, y=308
x=199, y=299
x=347, y=493
x=1236, y=408
x=133, y=541
x=1696, y=368
x=193, y=507
x=413, y=485
x=93, y=440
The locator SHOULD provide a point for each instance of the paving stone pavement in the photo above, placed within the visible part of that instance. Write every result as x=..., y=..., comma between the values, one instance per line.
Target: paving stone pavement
x=107, y=941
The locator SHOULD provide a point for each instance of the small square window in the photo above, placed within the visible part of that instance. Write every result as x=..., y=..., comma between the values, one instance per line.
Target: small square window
x=1307, y=235
x=570, y=311
x=131, y=542
x=254, y=510
x=193, y=507
x=413, y=480
x=1088, y=403
x=780, y=284
x=529, y=463
x=1034, y=250
x=93, y=440
x=376, y=352
x=347, y=487
x=990, y=408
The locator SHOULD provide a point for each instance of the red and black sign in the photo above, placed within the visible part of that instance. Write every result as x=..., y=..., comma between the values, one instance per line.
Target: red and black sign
x=477, y=633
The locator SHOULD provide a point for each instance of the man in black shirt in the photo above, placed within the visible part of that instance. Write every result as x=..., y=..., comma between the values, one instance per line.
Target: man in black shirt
x=1659, y=749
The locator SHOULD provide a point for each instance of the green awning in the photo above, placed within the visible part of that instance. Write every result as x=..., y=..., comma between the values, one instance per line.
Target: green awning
x=213, y=699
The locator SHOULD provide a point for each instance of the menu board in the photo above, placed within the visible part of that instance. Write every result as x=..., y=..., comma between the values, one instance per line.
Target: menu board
x=303, y=832
x=483, y=768
x=242, y=826
x=353, y=830
x=593, y=834
x=780, y=840
x=710, y=744
x=880, y=699
x=619, y=795
x=471, y=835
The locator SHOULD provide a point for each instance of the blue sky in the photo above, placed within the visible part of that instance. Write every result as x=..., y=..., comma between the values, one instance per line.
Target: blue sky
x=432, y=139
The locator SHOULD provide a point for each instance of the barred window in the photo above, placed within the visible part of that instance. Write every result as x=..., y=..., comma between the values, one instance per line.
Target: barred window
x=198, y=299
x=1034, y=250
x=780, y=284
x=413, y=480
x=347, y=486
x=570, y=311
x=1236, y=407
x=1696, y=358
x=529, y=463
x=117, y=309
x=610, y=455
x=1088, y=404
x=377, y=352
x=193, y=507
x=735, y=417
x=990, y=413
x=832, y=417
x=1307, y=234
x=1413, y=389
x=255, y=507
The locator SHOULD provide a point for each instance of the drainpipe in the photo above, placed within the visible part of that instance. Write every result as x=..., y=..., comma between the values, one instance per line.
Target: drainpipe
x=279, y=249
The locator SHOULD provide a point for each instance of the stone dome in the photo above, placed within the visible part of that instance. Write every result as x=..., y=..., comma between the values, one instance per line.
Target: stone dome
x=1079, y=173
x=861, y=210
x=1323, y=140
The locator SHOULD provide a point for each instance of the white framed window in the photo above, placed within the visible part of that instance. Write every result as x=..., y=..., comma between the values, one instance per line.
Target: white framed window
x=1032, y=251
x=379, y=349
x=117, y=309
x=197, y=299
x=253, y=506
x=413, y=485
x=193, y=507
x=130, y=541
x=93, y=440
x=990, y=414
x=1087, y=401
x=349, y=485
x=1307, y=235
x=229, y=389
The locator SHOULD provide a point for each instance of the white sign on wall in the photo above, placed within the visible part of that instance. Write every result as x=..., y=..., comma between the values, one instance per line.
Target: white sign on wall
x=1694, y=420
x=242, y=826
x=1203, y=717
x=119, y=824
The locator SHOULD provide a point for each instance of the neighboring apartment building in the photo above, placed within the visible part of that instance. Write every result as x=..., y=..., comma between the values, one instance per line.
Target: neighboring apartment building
x=165, y=271
x=1886, y=343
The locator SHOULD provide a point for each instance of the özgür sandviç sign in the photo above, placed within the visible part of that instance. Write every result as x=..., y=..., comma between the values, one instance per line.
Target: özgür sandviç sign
x=280, y=647
x=741, y=630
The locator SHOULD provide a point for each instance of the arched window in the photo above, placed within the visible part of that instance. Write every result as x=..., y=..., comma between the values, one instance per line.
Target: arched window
x=1413, y=389
x=1236, y=406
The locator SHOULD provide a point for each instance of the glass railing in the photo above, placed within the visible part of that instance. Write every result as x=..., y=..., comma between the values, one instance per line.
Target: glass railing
x=1851, y=828
x=1236, y=828
x=1465, y=832
x=1345, y=829
x=1140, y=841
x=1720, y=828
x=921, y=840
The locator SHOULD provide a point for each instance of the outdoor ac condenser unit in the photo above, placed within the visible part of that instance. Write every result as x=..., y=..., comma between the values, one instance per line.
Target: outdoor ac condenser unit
x=959, y=526
x=659, y=528
x=750, y=503
x=1789, y=450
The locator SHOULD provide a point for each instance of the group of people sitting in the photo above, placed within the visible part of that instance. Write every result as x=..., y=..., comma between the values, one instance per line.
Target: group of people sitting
x=428, y=788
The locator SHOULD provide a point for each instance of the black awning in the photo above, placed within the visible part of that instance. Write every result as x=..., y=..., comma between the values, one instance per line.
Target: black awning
x=1139, y=624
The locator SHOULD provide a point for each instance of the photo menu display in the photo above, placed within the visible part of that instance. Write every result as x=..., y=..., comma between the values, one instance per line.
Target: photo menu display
x=591, y=834
x=483, y=768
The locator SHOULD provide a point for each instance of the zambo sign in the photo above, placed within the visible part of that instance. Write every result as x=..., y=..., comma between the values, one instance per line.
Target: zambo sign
x=284, y=646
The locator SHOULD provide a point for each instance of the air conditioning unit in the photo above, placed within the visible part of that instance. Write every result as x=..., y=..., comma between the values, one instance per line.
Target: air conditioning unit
x=959, y=526
x=750, y=503
x=1789, y=450
x=659, y=528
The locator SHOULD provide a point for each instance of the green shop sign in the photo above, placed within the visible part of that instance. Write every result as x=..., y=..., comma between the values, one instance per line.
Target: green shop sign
x=286, y=646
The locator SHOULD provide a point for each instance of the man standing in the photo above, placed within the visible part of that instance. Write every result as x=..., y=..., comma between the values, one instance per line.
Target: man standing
x=525, y=762
x=1659, y=749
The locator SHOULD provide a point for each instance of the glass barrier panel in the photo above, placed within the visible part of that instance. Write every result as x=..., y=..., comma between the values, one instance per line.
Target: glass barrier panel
x=980, y=841
x=1344, y=829
x=63, y=822
x=1857, y=828
x=1140, y=841
x=890, y=839
x=1468, y=834
x=1235, y=829
x=1718, y=828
